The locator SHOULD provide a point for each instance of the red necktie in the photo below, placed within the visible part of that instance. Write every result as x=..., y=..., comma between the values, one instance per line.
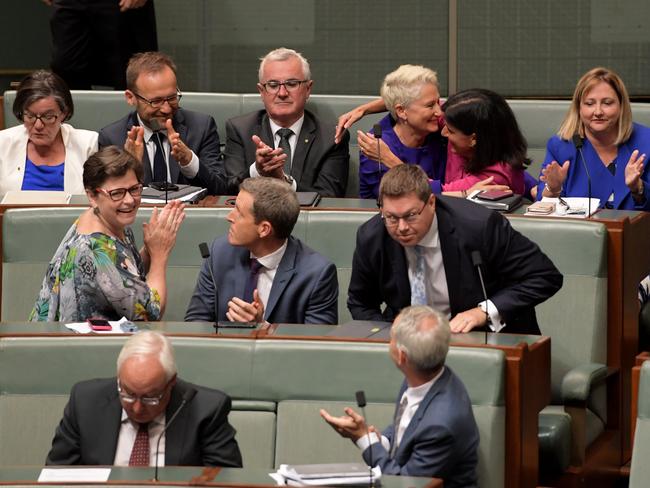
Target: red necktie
x=140, y=451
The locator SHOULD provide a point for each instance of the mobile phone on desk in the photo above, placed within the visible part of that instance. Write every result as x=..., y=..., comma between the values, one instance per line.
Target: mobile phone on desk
x=99, y=325
x=494, y=195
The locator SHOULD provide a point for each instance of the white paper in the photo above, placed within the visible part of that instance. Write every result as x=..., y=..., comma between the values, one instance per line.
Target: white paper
x=286, y=476
x=72, y=475
x=84, y=328
x=575, y=204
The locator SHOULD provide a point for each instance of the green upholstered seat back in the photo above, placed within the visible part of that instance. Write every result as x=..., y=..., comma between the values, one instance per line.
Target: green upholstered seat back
x=576, y=317
x=640, y=469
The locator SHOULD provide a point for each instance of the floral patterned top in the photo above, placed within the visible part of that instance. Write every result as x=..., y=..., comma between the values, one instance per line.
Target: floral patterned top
x=96, y=275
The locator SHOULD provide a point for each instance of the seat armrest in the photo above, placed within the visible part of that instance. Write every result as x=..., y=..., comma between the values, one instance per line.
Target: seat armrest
x=579, y=382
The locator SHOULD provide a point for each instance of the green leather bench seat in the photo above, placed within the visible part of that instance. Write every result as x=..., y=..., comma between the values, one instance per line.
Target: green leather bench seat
x=277, y=387
x=538, y=119
x=640, y=468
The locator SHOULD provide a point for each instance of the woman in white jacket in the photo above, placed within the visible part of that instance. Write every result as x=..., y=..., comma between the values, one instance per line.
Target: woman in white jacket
x=44, y=153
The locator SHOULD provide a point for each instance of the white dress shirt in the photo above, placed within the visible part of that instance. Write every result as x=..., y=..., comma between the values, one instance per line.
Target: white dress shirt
x=126, y=438
x=267, y=273
x=189, y=171
x=436, y=283
x=293, y=143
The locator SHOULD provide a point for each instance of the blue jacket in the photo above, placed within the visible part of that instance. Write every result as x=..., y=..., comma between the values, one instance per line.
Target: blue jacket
x=603, y=183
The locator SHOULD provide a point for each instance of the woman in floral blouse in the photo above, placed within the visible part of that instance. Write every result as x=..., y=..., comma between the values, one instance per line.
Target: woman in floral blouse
x=98, y=271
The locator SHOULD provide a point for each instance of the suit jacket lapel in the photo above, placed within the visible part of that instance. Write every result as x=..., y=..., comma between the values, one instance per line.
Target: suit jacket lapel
x=422, y=409
x=450, y=248
x=109, y=429
x=397, y=257
x=181, y=128
x=146, y=164
x=175, y=435
x=283, y=275
x=304, y=142
x=264, y=131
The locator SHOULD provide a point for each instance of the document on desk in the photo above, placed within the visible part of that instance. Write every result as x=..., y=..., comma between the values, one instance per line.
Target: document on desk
x=84, y=328
x=325, y=475
x=74, y=475
x=570, y=207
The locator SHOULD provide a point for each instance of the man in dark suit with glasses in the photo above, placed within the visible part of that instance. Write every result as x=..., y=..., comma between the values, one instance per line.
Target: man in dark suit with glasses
x=284, y=140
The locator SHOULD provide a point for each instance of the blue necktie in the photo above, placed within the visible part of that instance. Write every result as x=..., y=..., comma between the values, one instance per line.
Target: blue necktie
x=251, y=283
x=418, y=288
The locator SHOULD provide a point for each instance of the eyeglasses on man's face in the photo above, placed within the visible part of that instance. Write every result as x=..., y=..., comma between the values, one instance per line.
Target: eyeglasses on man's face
x=159, y=102
x=151, y=401
x=410, y=218
x=273, y=86
x=118, y=194
x=48, y=118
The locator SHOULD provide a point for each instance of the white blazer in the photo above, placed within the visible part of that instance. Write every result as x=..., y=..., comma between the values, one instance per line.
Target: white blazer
x=79, y=144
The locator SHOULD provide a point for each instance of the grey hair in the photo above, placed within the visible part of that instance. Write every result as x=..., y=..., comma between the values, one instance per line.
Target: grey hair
x=149, y=343
x=402, y=86
x=282, y=54
x=423, y=334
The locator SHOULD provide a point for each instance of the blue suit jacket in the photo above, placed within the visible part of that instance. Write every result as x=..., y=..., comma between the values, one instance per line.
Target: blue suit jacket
x=603, y=183
x=305, y=288
x=198, y=131
x=440, y=441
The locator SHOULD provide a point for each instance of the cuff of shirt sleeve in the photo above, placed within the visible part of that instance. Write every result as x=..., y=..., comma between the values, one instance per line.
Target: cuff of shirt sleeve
x=252, y=171
x=366, y=441
x=190, y=170
x=495, y=323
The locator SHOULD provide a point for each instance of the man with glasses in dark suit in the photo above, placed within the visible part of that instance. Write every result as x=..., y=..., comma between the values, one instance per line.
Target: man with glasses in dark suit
x=174, y=144
x=284, y=140
x=121, y=421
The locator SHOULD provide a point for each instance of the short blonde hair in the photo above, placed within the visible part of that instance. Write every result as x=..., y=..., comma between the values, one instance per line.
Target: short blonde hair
x=404, y=85
x=572, y=124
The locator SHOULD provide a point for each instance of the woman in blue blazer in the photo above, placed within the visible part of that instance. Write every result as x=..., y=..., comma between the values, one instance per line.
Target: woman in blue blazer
x=614, y=147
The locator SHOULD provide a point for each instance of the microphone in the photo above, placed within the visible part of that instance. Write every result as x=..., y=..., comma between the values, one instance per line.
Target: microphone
x=205, y=254
x=361, y=403
x=477, y=261
x=578, y=142
x=187, y=398
x=376, y=131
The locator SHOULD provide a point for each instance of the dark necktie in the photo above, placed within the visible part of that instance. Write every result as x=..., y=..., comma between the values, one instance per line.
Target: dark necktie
x=159, y=164
x=398, y=419
x=285, y=134
x=251, y=283
x=140, y=451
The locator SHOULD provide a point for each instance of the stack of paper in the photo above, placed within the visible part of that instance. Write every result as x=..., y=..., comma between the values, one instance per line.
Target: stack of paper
x=325, y=474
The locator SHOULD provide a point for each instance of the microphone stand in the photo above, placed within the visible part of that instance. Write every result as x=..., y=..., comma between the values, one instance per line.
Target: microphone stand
x=361, y=403
x=578, y=142
x=478, y=262
x=205, y=254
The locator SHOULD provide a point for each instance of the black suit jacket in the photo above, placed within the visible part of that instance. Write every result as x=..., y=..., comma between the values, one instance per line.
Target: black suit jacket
x=200, y=435
x=198, y=131
x=518, y=275
x=318, y=164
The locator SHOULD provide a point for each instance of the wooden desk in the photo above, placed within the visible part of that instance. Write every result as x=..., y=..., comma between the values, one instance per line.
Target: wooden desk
x=191, y=476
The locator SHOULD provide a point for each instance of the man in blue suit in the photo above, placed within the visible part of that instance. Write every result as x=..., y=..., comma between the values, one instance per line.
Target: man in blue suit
x=434, y=433
x=260, y=271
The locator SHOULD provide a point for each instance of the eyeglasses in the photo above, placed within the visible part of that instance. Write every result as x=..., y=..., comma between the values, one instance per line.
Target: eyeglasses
x=159, y=102
x=151, y=401
x=410, y=218
x=46, y=119
x=119, y=193
x=273, y=86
